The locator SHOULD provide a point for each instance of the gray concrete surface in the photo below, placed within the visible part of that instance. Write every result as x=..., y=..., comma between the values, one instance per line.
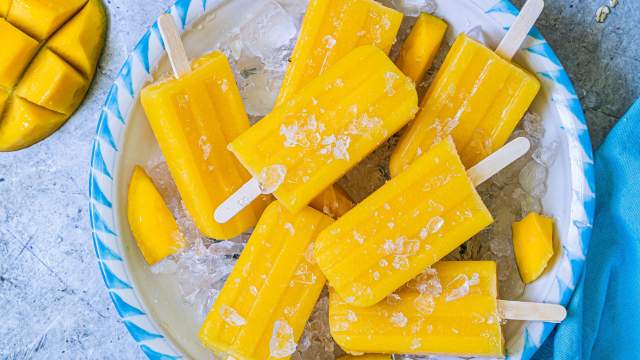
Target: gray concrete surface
x=52, y=300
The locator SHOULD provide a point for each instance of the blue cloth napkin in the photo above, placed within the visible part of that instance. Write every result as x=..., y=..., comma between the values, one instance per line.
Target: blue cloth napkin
x=604, y=313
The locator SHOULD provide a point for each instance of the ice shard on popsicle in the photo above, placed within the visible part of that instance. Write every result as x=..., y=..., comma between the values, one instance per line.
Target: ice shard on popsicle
x=408, y=224
x=450, y=309
x=330, y=30
x=268, y=298
x=477, y=97
x=194, y=117
x=329, y=126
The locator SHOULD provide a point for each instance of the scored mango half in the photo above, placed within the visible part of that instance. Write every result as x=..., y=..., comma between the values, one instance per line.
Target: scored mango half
x=533, y=245
x=48, y=57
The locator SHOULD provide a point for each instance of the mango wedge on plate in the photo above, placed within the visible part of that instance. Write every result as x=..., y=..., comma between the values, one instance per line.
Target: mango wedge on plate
x=533, y=245
x=50, y=49
x=153, y=226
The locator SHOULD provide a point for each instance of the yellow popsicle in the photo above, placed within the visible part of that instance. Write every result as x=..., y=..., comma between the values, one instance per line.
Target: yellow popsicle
x=450, y=309
x=329, y=126
x=408, y=224
x=330, y=30
x=268, y=298
x=477, y=97
x=421, y=46
x=194, y=118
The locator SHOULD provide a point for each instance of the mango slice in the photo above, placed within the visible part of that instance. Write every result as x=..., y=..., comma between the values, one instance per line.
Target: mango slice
x=421, y=46
x=155, y=230
x=533, y=245
x=17, y=50
x=52, y=83
x=48, y=57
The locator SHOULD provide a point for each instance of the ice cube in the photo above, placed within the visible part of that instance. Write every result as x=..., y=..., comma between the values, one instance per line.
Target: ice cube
x=532, y=178
x=268, y=35
x=415, y=7
x=282, y=343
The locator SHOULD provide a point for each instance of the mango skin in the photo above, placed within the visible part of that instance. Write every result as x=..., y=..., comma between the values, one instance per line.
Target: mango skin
x=153, y=226
x=533, y=245
x=54, y=47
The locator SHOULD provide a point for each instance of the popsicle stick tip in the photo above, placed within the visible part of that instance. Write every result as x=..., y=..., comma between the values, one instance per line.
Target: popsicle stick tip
x=237, y=201
x=520, y=28
x=499, y=160
x=173, y=45
x=527, y=311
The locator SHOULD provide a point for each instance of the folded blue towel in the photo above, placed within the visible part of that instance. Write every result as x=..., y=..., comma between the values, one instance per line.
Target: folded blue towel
x=604, y=313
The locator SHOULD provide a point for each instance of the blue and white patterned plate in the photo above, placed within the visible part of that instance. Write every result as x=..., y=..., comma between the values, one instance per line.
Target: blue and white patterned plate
x=147, y=305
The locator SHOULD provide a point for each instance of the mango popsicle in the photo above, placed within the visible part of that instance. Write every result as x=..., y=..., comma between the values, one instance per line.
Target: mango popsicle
x=309, y=142
x=449, y=309
x=330, y=30
x=477, y=97
x=194, y=117
x=405, y=226
x=268, y=298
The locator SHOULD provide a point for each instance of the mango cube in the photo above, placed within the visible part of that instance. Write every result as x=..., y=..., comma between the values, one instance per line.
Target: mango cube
x=52, y=83
x=25, y=123
x=17, y=50
x=41, y=18
x=421, y=46
x=533, y=245
x=80, y=41
x=155, y=230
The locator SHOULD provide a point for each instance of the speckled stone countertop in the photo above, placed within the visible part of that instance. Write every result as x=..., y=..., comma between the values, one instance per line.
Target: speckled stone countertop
x=53, y=303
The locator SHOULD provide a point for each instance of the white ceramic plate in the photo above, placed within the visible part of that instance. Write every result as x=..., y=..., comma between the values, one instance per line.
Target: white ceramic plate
x=159, y=321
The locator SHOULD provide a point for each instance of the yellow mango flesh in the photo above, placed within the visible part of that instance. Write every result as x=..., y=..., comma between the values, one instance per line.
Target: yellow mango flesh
x=193, y=119
x=330, y=30
x=50, y=52
x=450, y=309
x=154, y=229
x=329, y=126
x=24, y=122
x=477, y=97
x=533, y=245
x=408, y=224
x=333, y=201
x=52, y=83
x=41, y=18
x=421, y=46
x=268, y=298
x=3, y=99
x=17, y=50
x=80, y=41
x=4, y=7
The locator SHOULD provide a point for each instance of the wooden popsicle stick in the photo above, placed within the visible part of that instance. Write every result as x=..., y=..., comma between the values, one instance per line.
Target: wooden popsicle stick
x=499, y=160
x=238, y=201
x=173, y=44
x=519, y=310
x=516, y=35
